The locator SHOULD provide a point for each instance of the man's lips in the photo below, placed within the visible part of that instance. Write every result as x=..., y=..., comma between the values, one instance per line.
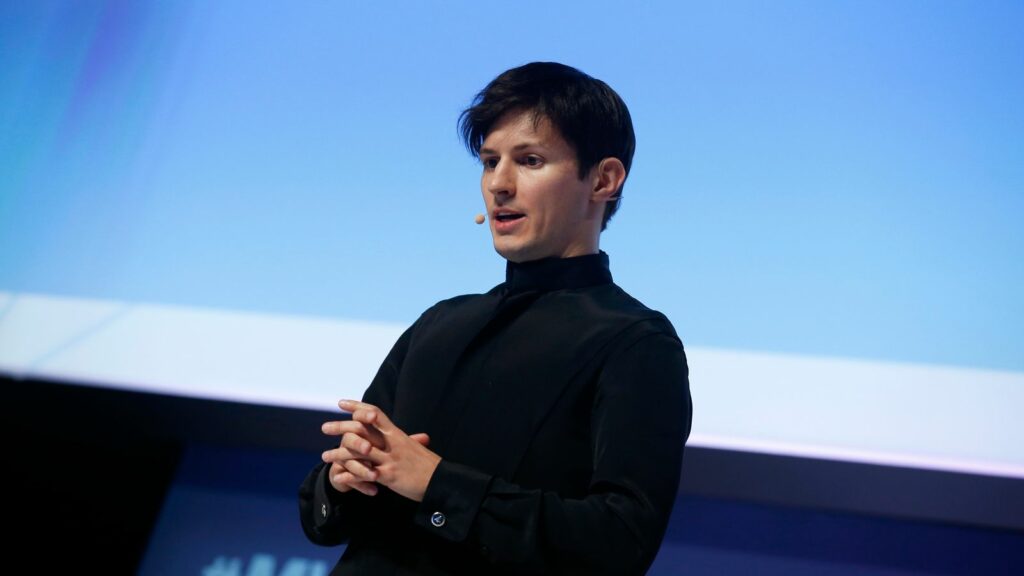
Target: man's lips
x=506, y=220
x=506, y=215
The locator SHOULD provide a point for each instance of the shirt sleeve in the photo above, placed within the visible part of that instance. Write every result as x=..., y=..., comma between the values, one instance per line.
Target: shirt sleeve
x=641, y=419
x=330, y=517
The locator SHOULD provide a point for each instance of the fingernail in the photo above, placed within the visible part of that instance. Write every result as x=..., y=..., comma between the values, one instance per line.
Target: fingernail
x=324, y=456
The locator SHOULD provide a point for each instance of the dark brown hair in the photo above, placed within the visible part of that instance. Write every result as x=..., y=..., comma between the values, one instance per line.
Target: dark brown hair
x=588, y=114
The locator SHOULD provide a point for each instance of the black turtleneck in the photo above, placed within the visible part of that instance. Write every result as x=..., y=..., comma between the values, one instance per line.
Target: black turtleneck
x=558, y=273
x=559, y=406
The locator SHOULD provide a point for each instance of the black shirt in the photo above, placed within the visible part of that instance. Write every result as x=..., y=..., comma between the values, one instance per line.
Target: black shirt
x=560, y=407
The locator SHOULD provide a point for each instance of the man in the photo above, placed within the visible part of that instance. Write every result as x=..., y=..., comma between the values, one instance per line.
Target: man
x=537, y=428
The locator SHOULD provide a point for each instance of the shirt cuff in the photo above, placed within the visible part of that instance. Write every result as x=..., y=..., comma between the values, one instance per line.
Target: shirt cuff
x=327, y=502
x=452, y=500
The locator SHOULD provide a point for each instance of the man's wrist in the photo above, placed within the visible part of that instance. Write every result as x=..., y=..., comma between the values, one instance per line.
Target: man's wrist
x=451, y=500
x=429, y=476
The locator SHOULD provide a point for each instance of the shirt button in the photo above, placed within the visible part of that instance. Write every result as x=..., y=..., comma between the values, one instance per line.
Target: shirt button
x=437, y=519
x=323, y=510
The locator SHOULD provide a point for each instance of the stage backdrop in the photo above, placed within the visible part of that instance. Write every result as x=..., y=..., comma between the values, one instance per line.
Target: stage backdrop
x=244, y=200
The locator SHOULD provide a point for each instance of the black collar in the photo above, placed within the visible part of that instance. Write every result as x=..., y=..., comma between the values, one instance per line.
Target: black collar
x=558, y=273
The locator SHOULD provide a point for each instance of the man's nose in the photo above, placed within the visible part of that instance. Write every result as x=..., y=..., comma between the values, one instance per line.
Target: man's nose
x=501, y=180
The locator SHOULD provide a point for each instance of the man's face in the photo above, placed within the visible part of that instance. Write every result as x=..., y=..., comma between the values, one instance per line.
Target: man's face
x=536, y=203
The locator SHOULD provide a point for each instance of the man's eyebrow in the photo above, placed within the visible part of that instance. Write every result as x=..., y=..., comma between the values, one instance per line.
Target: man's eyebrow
x=515, y=148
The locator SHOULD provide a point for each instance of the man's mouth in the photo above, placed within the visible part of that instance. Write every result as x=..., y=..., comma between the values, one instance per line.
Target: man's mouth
x=507, y=216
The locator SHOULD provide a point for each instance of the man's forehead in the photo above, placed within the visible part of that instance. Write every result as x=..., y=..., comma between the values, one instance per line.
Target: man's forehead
x=525, y=126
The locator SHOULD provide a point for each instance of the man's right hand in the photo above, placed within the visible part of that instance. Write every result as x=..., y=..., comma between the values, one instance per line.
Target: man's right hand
x=349, y=469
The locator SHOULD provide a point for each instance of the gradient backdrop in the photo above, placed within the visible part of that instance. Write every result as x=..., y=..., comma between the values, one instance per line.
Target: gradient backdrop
x=250, y=200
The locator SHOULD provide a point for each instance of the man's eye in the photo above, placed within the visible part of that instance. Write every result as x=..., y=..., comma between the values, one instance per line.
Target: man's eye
x=532, y=161
x=490, y=163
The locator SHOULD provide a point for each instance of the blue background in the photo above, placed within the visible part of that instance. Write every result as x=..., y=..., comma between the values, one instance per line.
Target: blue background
x=833, y=178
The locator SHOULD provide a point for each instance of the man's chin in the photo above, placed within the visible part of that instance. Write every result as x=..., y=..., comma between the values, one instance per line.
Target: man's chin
x=513, y=253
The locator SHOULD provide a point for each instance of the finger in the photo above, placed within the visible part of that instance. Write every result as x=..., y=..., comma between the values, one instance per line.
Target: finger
x=422, y=438
x=367, y=413
x=342, y=427
x=339, y=467
x=360, y=471
x=353, y=405
x=367, y=432
x=334, y=477
x=368, y=488
x=340, y=455
x=335, y=456
x=374, y=417
x=377, y=457
x=339, y=427
x=346, y=481
x=356, y=444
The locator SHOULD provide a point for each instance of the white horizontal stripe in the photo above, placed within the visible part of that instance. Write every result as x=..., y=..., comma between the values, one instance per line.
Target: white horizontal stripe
x=922, y=416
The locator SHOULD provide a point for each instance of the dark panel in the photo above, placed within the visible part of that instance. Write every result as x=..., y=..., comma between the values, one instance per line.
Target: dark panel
x=106, y=414
x=862, y=488
x=78, y=483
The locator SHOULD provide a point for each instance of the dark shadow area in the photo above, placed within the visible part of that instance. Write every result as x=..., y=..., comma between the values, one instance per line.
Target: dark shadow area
x=91, y=467
x=81, y=482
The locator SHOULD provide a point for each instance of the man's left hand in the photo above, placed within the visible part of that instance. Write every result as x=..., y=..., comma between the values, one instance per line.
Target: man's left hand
x=403, y=464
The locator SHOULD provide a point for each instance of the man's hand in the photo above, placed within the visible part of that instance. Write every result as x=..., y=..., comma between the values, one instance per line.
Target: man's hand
x=373, y=450
x=349, y=470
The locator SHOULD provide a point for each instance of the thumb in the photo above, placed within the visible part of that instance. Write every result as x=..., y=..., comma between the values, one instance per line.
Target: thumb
x=422, y=438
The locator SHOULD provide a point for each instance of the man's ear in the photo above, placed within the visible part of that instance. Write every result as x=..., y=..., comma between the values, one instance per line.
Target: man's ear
x=608, y=177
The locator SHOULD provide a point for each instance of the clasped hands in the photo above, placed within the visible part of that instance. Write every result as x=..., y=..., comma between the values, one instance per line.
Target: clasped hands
x=373, y=451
